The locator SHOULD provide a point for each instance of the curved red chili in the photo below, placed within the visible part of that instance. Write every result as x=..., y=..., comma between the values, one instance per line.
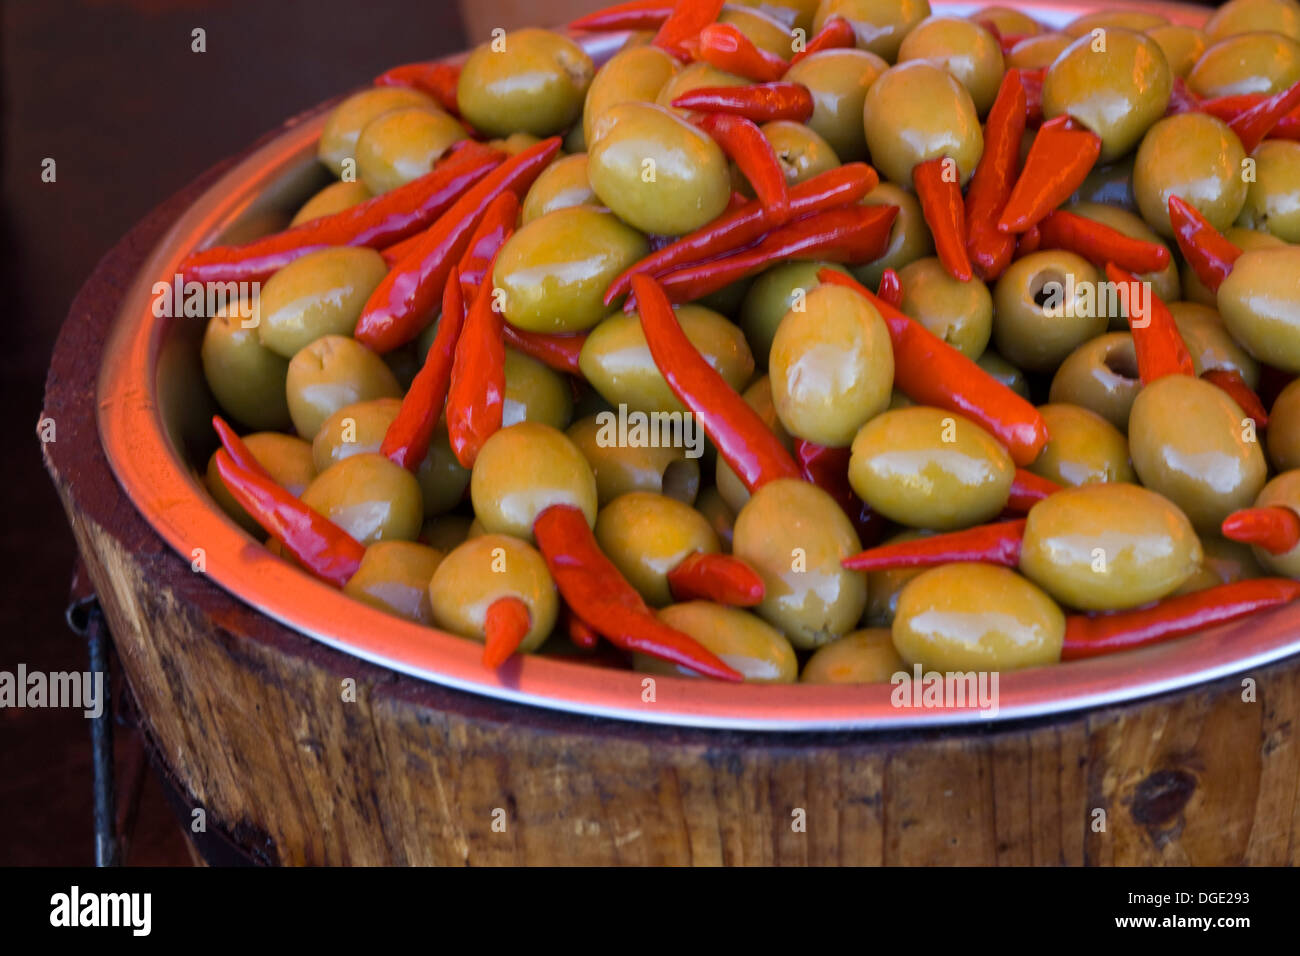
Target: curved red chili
x=745, y=144
x=1206, y=250
x=1235, y=386
x=715, y=577
x=1099, y=243
x=1274, y=528
x=836, y=33
x=476, y=396
x=438, y=80
x=560, y=352
x=1159, y=345
x=1255, y=123
x=684, y=24
x=635, y=15
x=988, y=544
x=505, y=626
x=945, y=213
x=1062, y=155
x=723, y=46
x=762, y=103
x=1027, y=489
x=989, y=250
x=890, y=290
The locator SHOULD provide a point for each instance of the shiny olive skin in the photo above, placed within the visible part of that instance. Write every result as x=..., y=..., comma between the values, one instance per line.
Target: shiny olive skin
x=1082, y=448
x=1182, y=46
x=1208, y=470
x=1249, y=16
x=832, y=367
x=928, y=468
x=861, y=657
x=647, y=535
x=1009, y=21
x=338, y=138
x=838, y=81
x=771, y=296
x=758, y=397
x=1222, y=562
x=445, y=531
x=719, y=515
x=1024, y=332
x=1036, y=52
x=289, y=462
x=1209, y=343
x=403, y=145
x=1163, y=283
x=394, y=576
x=795, y=536
x=1260, y=305
x=536, y=85
x=1273, y=199
x=1283, y=491
x=763, y=30
x=796, y=13
x=916, y=112
x=1116, y=94
x=555, y=270
x=515, y=143
x=800, y=151
x=909, y=236
x=963, y=617
x=1100, y=375
x=535, y=393
x=1134, y=20
x=884, y=587
x=1105, y=547
x=616, y=360
x=562, y=185
x=743, y=642
x=321, y=293
x=659, y=173
x=631, y=76
x=485, y=569
x=1284, y=429
x=246, y=378
x=620, y=469
x=1110, y=184
x=331, y=372
x=525, y=469
x=1246, y=63
x=962, y=47
x=694, y=77
x=369, y=497
x=960, y=313
x=1194, y=290
x=334, y=198
x=879, y=25
x=1004, y=372
x=1193, y=156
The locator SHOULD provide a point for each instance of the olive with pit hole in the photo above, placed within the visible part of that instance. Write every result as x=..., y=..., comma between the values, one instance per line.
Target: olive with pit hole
x=394, y=576
x=860, y=657
x=246, y=378
x=1044, y=307
x=530, y=81
x=369, y=497
x=525, y=469
x=800, y=151
x=331, y=372
x=744, y=642
x=652, y=465
x=320, y=294
x=647, y=535
x=1101, y=375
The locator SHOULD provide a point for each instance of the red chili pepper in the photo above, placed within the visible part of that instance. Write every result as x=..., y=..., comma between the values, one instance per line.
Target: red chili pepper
x=1028, y=242
x=938, y=189
x=763, y=103
x=580, y=633
x=476, y=398
x=1159, y=345
x=374, y=223
x=559, y=352
x=990, y=251
x=1181, y=99
x=1228, y=108
x=438, y=80
x=490, y=235
x=715, y=577
x=1255, y=123
x=688, y=18
x=742, y=438
x=239, y=452
x=1027, y=489
x=836, y=34
x=1088, y=636
x=1032, y=81
x=989, y=544
x=505, y=626
x=1008, y=41
x=606, y=603
x=319, y=545
x=828, y=469
x=1206, y=250
x=931, y=372
x=636, y=15
x=404, y=302
x=1276, y=529
x=848, y=234
x=1062, y=155
x=723, y=46
x=1241, y=393
x=1099, y=243
x=891, y=288
x=745, y=143
x=730, y=232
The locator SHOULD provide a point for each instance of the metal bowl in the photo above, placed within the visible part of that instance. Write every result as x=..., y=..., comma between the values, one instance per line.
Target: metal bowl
x=154, y=413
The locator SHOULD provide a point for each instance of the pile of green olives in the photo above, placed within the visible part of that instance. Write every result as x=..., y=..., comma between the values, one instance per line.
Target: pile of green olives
x=1148, y=473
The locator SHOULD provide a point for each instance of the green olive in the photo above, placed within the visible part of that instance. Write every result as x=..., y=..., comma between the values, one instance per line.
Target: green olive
x=331, y=372
x=515, y=143
x=1260, y=305
x=530, y=81
x=861, y=657
x=1196, y=157
x=1163, y=283
x=338, y=138
x=928, y=468
x=334, y=198
x=322, y=293
x=1263, y=62
x=760, y=27
x=1209, y=343
x=624, y=467
x=1082, y=448
x=694, y=77
x=916, y=112
x=962, y=47
x=647, y=535
x=795, y=536
x=616, y=360
x=879, y=25
x=403, y=145
x=773, y=294
x=1008, y=22
x=960, y=313
x=743, y=642
x=445, y=531
x=1283, y=491
x=838, y=81
x=1248, y=16
x=719, y=515
x=1182, y=46
x=1194, y=289
x=656, y=171
x=525, y=469
x=288, y=460
x=883, y=587
x=1004, y=372
x=963, y=617
x=394, y=576
x=555, y=270
x=832, y=368
x=535, y=393
x=485, y=569
x=1222, y=562
x=1284, y=429
x=1036, y=52
x=1116, y=88
x=1210, y=470
x=631, y=76
x=1101, y=375
x=1104, y=547
x=1135, y=20
x=797, y=13
x=1273, y=198
x=758, y=397
x=909, y=236
x=800, y=151
x=1036, y=322
x=369, y=497
x=246, y=378
x=562, y=185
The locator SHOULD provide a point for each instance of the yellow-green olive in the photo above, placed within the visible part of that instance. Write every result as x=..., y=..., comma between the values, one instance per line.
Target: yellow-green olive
x=403, y=145
x=1209, y=343
x=800, y=151
x=1222, y=562
x=928, y=468
x=335, y=197
x=916, y=112
x=773, y=294
x=1196, y=157
x=1101, y=375
x=562, y=185
x=1044, y=307
x=760, y=27
x=962, y=47
x=1284, y=429
x=1282, y=492
x=879, y=25
x=515, y=143
x=1249, y=16
x=534, y=393
x=694, y=77
x=758, y=397
x=909, y=236
x=884, y=587
x=631, y=76
x=1182, y=46
x=1136, y=20
x=1082, y=448
x=1273, y=198
x=246, y=378
x=1194, y=289
x=719, y=515
x=322, y=293
x=647, y=535
x=369, y=497
x=482, y=571
x=623, y=466
x=287, y=459
x=1262, y=62
x=1004, y=372
x=331, y=372
x=795, y=13
x=1260, y=305
x=960, y=313
x=743, y=642
x=1007, y=21
x=861, y=657
x=394, y=576
x=525, y=469
x=838, y=81
x=338, y=138
x=530, y=81
x=1037, y=52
